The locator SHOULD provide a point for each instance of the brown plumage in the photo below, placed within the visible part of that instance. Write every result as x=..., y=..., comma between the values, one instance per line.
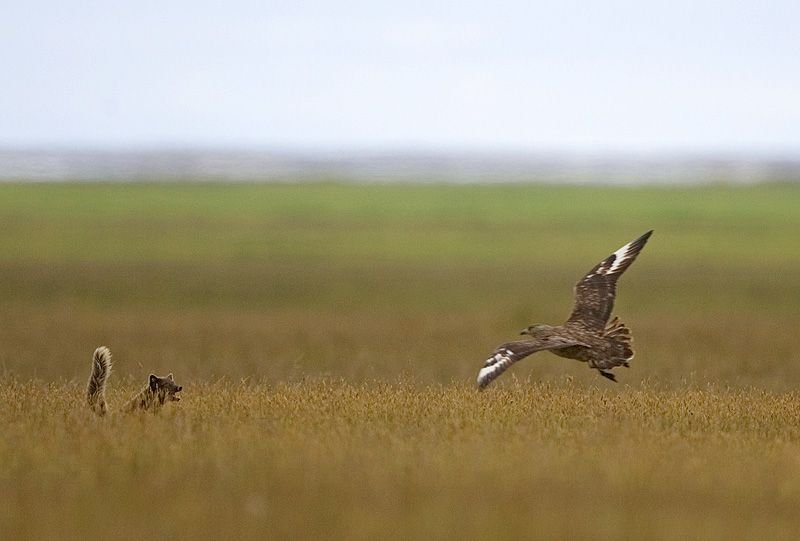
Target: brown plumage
x=587, y=335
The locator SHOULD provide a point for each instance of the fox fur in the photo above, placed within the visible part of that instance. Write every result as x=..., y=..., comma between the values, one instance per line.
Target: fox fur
x=157, y=391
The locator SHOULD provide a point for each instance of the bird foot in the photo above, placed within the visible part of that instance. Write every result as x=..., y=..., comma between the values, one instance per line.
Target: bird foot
x=608, y=375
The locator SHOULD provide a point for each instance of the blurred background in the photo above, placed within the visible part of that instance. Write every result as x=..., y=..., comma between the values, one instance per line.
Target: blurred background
x=619, y=91
x=281, y=190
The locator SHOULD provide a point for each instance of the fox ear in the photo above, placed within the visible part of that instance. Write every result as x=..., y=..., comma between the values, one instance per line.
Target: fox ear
x=169, y=376
x=153, y=382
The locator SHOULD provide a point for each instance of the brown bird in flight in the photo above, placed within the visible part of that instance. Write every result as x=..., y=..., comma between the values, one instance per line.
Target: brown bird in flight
x=587, y=335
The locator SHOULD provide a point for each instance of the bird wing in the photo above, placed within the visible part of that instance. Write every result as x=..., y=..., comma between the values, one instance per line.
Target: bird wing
x=507, y=354
x=595, y=292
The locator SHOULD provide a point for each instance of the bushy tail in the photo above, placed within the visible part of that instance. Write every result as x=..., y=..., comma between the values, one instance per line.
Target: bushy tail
x=96, y=389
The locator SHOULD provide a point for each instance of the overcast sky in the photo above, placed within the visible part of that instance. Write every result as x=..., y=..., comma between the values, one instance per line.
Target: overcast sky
x=568, y=76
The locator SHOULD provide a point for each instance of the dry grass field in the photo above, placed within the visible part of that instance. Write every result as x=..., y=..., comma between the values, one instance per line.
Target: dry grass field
x=327, y=337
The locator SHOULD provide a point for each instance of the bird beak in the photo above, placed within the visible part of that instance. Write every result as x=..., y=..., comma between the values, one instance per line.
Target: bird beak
x=524, y=331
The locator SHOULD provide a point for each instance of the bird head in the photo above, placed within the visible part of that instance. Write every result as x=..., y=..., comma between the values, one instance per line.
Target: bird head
x=534, y=330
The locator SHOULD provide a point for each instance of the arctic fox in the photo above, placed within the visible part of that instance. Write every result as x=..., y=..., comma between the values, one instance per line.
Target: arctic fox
x=152, y=397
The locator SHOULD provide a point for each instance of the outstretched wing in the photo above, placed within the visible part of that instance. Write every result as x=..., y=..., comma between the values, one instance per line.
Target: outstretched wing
x=595, y=292
x=507, y=354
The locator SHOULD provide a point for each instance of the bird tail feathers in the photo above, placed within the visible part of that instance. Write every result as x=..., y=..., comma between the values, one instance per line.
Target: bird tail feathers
x=622, y=342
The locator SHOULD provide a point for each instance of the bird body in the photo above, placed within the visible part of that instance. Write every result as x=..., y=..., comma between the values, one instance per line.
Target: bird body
x=587, y=335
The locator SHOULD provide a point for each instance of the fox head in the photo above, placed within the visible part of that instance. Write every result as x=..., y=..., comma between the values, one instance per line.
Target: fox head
x=164, y=388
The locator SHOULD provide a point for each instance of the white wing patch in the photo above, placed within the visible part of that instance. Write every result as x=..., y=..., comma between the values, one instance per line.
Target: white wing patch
x=495, y=365
x=620, y=257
